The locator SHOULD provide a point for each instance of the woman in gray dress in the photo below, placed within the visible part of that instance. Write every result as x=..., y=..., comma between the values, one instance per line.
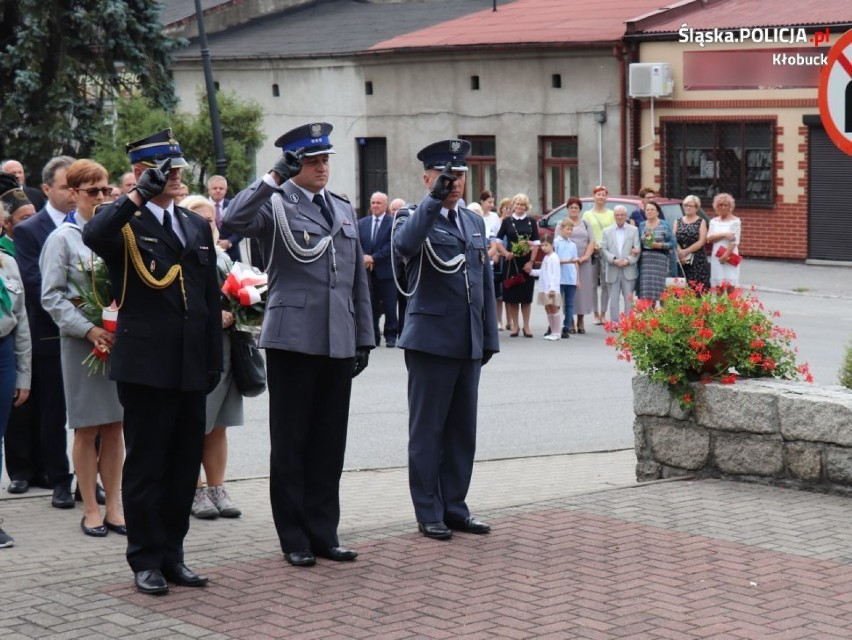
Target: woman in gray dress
x=224, y=403
x=658, y=244
x=91, y=398
x=585, y=241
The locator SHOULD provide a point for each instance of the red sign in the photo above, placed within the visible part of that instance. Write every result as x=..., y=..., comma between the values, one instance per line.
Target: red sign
x=785, y=68
x=835, y=94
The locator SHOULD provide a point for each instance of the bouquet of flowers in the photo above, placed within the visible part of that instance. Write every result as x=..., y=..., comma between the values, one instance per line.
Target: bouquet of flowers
x=91, y=295
x=521, y=246
x=703, y=336
x=245, y=289
x=648, y=239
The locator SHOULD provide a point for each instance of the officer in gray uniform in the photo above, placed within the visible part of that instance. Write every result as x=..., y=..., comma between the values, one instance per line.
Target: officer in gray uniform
x=317, y=332
x=450, y=331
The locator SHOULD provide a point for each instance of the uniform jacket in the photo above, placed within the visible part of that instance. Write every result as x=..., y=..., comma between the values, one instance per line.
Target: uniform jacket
x=159, y=342
x=17, y=322
x=610, y=252
x=439, y=319
x=380, y=250
x=310, y=308
x=30, y=237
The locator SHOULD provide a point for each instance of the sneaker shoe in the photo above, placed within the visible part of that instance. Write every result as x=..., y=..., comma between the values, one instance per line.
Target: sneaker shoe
x=223, y=503
x=202, y=507
x=552, y=336
x=6, y=540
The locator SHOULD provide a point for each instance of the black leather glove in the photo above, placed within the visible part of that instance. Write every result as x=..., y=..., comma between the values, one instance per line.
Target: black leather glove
x=362, y=357
x=213, y=378
x=152, y=181
x=443, y=183
x=486, y=356
x=289, y=164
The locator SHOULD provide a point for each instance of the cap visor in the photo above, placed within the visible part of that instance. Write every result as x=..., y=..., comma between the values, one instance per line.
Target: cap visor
x=321, y=152
x=177, y=162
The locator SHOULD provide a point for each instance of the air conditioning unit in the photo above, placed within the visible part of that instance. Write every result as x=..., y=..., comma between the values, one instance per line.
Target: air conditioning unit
x=650, y=80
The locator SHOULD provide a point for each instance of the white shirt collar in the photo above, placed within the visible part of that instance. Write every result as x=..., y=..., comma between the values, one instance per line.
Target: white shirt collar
x=55, y=214
x=158, y=214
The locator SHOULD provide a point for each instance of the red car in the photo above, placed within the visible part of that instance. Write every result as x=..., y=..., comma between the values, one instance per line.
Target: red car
x=672, y=210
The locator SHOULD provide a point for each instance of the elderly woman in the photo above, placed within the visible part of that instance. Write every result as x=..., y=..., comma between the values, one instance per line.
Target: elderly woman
x=691, y=234
x=15, y=346
x=657, y=244
x=224, y=403
x=582, y=236
x=521, y=232
x=91, y=398
x=724, y=234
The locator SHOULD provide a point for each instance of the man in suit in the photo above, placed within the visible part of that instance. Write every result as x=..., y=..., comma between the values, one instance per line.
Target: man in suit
x=450, y=332
x=35, y=196
x=217, y=189
x=375, y=231
x=317, y=332
x=48, y=395
x=167, y=354
x=620, y=253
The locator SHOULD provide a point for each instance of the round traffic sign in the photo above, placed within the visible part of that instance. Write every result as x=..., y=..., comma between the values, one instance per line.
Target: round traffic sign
x=835, y=93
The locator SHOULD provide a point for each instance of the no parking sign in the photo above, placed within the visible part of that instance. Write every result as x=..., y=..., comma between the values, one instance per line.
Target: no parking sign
x=835, y=93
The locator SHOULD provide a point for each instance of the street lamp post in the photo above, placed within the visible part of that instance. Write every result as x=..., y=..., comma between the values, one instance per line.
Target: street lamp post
x=218, y=144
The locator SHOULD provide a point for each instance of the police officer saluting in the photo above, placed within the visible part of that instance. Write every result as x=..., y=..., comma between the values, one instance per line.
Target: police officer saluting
x=167, y=354
x=450, y=332
x=317, y=332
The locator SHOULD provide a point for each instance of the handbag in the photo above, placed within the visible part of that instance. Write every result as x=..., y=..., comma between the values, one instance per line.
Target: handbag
x=247, y=364
x=734, y=259
x=515, y=280
x=677, y=282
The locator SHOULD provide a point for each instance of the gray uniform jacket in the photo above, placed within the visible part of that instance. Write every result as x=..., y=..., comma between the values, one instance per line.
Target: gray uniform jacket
x=17, y=321
x=447, y=315
x=317, y=308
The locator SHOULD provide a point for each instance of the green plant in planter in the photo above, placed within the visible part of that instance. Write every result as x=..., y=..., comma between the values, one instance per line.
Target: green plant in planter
x=846, y=369
x=705, y=335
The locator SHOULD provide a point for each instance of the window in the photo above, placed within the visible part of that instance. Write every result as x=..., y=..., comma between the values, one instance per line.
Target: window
x=368, y=87
x=706, y=158
x=559, y=168
x=556, y=81
x=481, y=167
x=474, y=83
x=276, y=92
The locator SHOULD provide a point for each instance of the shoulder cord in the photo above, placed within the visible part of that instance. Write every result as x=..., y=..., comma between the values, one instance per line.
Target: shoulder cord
x=446, y=267
x=299, y=254
x=132, y=249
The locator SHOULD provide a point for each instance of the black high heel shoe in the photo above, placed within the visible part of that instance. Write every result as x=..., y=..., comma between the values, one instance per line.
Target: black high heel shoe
x=95, y=532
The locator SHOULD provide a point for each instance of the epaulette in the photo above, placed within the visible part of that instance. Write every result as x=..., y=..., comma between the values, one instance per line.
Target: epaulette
x=339, y=197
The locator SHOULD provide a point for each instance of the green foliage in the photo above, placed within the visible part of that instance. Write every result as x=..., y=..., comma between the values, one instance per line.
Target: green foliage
x=846, y=369
x=241, y=130
x=678, y=342
x=62, y=63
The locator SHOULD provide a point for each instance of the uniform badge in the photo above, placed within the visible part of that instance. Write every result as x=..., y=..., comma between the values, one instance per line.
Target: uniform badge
x=294, y=197
x=307, y=237
x=316, y=130
x=137, y=214
x=152, y=267
x=455, y=146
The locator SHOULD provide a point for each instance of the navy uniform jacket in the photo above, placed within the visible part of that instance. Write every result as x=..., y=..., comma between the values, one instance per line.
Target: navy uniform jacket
x=310, y=308
x=380, y=249
x=159, y=342
x=439, y=318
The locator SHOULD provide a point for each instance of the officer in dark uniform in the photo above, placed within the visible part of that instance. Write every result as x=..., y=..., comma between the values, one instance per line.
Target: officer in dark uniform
x=317, y=332
x=450, y=331
x=167, y=354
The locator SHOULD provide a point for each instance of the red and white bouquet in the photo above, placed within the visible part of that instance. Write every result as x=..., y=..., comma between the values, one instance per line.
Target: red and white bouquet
x=245, y=289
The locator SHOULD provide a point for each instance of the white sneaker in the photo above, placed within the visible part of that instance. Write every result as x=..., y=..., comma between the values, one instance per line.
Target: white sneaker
x=552, y=336
x=223, y=503
x=202, y=507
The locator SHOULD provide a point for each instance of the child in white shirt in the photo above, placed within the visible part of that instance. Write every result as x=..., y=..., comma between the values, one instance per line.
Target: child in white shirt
x=549, y=276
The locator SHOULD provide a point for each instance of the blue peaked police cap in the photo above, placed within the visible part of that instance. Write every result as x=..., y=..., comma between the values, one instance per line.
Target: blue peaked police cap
x=154, y=149
x=438, y=154
x=311, y=138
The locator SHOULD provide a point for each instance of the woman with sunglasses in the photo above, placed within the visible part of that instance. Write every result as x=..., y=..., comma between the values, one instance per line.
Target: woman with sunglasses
x=91, y=398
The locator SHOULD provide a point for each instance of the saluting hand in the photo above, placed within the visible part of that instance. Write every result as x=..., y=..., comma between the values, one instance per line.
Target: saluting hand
x=444, y=183
x=288, y=165
x=152, y=182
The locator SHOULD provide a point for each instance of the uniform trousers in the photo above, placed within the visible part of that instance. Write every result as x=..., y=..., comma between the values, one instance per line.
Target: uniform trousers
x=621, y=288
x=308, y=419
x=8, y=374
x=442, y=403
x=163, y=438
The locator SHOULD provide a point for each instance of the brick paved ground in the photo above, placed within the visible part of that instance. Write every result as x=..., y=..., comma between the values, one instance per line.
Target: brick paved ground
x=578, y=551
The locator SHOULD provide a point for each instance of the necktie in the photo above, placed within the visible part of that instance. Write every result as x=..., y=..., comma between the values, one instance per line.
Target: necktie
x=218, y=216
x=167, y=225
x=451, y=214
x=375, y=229
x=320, y=202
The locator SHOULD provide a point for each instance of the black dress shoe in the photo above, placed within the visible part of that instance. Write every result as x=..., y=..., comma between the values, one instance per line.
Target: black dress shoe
x=96, y=532
x=120, y=529
x=18, y=486
x=181, y=574
x=150, y=581
x=470, y=525
x=435, y=530
x=62, y=498
x=339, y=554
x=303, y=558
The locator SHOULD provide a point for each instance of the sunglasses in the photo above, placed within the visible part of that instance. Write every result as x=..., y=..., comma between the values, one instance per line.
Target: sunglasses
x=93, y=192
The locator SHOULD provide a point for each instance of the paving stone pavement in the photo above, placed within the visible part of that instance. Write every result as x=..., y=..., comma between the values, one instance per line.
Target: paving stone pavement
x=578, y=550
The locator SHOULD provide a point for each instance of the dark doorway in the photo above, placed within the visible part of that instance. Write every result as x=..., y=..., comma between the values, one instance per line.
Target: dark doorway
x=373, y=163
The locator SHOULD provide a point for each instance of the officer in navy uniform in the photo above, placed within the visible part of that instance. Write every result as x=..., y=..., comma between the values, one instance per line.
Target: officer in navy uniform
x=167, y=354
x=450, y=331
x=317, y=332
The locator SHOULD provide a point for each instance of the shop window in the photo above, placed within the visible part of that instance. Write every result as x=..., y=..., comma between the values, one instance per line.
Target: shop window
x=706, y=158
x=559, y=171
x=481, y=167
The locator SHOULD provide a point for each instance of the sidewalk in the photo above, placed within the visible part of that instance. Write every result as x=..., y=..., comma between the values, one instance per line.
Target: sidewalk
x=578, y=550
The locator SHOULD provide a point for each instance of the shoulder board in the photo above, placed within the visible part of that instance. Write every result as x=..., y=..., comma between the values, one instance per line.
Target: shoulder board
x=339, y=197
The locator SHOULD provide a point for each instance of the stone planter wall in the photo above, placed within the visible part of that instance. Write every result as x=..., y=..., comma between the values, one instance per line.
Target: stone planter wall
x=785, y=433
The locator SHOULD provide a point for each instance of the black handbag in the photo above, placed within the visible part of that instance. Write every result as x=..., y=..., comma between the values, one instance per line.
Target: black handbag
x=247, y=364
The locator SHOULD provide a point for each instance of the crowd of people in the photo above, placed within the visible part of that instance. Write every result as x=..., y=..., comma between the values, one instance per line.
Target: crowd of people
x=150, y=419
